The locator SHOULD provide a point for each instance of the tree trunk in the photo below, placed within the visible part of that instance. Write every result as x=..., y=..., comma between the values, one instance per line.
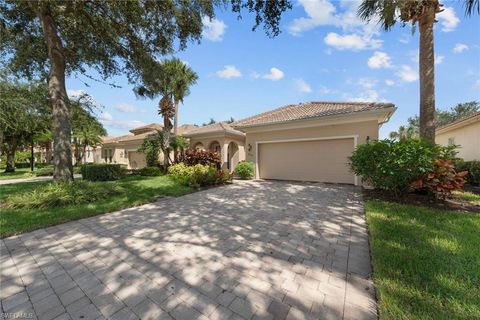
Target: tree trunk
x=175, y=130
x=32, y=155
x=10, y=150
x=62, y=152
x=166, y=143
x=48, y=152
x=427, y=73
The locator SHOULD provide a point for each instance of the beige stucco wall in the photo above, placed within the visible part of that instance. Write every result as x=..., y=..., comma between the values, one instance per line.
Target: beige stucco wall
x=468, y=137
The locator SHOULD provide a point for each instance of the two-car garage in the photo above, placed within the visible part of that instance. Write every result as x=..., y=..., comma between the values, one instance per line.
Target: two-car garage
x=314, y=159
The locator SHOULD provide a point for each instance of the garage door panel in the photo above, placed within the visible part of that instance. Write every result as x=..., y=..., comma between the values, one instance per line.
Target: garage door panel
x=320, y=160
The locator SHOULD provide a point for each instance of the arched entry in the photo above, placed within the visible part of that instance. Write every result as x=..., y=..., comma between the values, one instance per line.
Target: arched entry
x=199, y=146
x=232, y=156
x=215, y=147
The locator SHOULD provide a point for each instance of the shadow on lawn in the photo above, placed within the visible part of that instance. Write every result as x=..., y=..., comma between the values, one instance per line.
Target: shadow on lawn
x=239, y=245
x=426, y=261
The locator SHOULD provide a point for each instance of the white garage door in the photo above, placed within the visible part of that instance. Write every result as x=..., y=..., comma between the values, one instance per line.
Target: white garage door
x=318, y=160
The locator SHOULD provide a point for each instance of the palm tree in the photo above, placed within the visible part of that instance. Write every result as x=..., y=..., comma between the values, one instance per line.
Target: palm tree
x=422, y=12
x=184, y=77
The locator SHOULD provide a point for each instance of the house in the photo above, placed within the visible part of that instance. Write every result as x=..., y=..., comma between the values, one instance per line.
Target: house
x=465, y=133
x=124, y=149
x=306, y=142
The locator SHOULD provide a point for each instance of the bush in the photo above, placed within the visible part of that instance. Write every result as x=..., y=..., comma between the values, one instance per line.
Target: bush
x=442, y=180
x=393, y=165
x=194, y=157
x=198, y=175
x=150, y=171
x=473, y=168
x=101, y=172
x=245, y=170
x=62, y=194
x=44, y=171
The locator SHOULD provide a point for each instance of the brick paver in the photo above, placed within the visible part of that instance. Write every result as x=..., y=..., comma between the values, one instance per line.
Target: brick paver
x=251, y=250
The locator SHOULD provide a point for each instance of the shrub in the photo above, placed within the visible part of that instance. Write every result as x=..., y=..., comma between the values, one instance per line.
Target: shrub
x=101, y=172
x=150, y=171
x=442, y=180
x=473, y=168
x=245, y=170
x=393, y=165
x=193, y=157
x=44, y=171
x=63, y=194
x=198, y=175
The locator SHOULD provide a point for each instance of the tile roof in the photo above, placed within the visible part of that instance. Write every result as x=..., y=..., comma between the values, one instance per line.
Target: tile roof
x=148, y=127
x=459, y=122
x=309, y=110
x=219, y=127
x=184, y=128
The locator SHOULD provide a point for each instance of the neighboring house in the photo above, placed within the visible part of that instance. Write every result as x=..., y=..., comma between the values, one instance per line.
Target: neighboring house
x=465, y=133
x=124, y=149
x=307, y=142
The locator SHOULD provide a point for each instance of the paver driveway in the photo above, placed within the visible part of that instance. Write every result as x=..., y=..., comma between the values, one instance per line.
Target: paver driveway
x=262, y=250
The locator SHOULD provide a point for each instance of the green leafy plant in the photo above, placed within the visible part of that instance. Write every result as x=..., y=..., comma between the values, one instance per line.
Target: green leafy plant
x=101, y=172
x=442, y=180
x=193, y=157
x=198, y=175
x=393, y=165
x=151, y=148
x=150, y=171
x=473, y=168
x=63, y=194
x=44, y=171
x=245, y=170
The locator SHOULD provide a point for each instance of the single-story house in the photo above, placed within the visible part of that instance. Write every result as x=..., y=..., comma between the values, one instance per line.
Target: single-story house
x=124, y=149
x=465, y=133
x=306, y=142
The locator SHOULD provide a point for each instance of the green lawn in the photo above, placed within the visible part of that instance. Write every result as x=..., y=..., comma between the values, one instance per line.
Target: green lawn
x=426, y=262
x=18, y=174
x=469, y=196
x=140, y=190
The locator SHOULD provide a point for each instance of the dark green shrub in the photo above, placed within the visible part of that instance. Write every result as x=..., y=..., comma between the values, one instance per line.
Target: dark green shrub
x=245, y=170
x=473, y=168
x=150, y=171
x=44, y=171
x=64, y=194
x=393, y=165
x=101, y=172
x=193, y=157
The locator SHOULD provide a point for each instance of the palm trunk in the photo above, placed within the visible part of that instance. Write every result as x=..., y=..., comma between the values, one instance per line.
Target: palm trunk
x=62, y=152
x=32, y=155
x=175, y=124
x=166, y=142
x=427, y=75
x=10, y=151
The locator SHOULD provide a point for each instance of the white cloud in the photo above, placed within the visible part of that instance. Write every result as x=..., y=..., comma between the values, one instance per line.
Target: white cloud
x=460, y=47
x=324, y=90
x=274, y=75
x=302, y=86
x=407, y=74
x=367, y=83
x=389, y=82
x=370, y=95
x=379, y=60
x=439, y=59
x=352, y=41
x=72, y=94
x=405, y=38
x=106, y=116
x=229, y=72
x=213, y=29
x=126, y=108
x=448, y=19
x=319, y=12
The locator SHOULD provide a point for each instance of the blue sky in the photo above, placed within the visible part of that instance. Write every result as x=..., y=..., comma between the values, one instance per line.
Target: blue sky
x=324, y=53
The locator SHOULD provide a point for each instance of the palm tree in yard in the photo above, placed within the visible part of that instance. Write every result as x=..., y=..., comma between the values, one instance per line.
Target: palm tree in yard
x=423, y=12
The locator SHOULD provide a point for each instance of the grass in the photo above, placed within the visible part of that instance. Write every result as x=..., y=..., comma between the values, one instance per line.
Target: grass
x=426, y=262
x=18, y=174
x=468, y=196
x=140, y=190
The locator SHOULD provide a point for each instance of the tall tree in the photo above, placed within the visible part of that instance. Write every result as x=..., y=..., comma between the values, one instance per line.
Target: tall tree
x=24, y=113
x=52, y=39
x=423, y=13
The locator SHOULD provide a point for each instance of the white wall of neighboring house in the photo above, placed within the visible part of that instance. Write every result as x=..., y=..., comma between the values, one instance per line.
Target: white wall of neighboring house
x=467, y=137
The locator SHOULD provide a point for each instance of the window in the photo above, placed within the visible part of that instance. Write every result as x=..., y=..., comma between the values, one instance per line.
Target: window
x=451, y=141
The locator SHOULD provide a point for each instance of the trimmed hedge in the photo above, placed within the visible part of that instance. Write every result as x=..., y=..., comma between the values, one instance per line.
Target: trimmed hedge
x=150, y=171
x=101, y=172
x=198, y=175
x=245, y=170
